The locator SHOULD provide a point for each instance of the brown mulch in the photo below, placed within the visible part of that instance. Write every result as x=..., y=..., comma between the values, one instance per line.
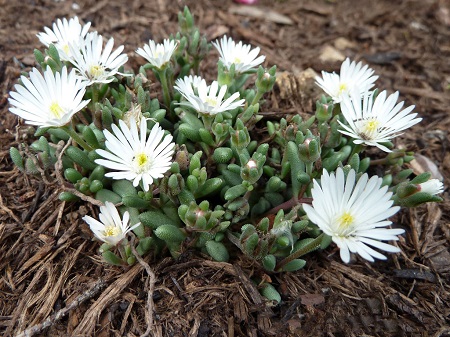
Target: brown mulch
x=52, y=279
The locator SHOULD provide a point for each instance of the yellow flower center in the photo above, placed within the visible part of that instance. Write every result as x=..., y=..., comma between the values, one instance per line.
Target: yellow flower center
x=343, y=87
x=345, y=221
x=143, y=162
x=141, y=159
x=369, y=128
x=111, y=231
x=96, y=70
x=56, y=110
x=66, y=49
x=212, y=101
x=237, y=60
x=372, y=125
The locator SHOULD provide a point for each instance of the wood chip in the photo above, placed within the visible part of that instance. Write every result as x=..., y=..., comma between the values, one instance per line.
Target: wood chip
x=312, y=299
x=261, y=13
x=422, y=164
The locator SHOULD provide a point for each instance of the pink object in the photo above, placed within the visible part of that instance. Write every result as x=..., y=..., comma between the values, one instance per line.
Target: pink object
x=246, y=2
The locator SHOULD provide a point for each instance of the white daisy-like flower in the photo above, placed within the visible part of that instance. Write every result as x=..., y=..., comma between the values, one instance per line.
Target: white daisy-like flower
x=432, y=186
x=208, y=100
x=111, y=228
x=159, y=54
x=50, y=99
x=188, y=84
x=64, y=33
x=134, y=156
x=352, y=77
x=95, y=64
x=373, y=122
x=241, y=55
x=354, y=213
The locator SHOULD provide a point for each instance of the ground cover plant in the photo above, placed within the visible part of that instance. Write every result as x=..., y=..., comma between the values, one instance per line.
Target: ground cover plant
x=200, y=170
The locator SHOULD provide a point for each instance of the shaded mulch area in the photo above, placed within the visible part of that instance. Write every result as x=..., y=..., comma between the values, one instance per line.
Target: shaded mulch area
x=49, y=263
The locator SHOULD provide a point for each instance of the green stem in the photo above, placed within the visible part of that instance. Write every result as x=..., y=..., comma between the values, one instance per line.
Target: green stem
x=165, y=88
x=356, y=149
x=289, y=204
x=304, y=250
x=196, y=65
x=257, y=97
x=309, y=168
x=385, y=160
x=76, y=137
x=207, y=121
x=95, y=95
x=123, y=251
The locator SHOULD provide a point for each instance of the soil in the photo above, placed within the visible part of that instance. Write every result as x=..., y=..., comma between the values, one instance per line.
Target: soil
x=53, y=281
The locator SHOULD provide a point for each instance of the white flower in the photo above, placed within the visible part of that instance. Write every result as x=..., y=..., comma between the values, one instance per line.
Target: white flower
x=135, y=157
x=95, y=64
x=432, y=186
x=354, y=214
x=49, y=100
x=188, y=84
x=209, y=99
x=64, y=33
x=352, y=77
x=238, y=54
x=133, y=115
x=111, y=228
x=158, y=54
x=373, y=122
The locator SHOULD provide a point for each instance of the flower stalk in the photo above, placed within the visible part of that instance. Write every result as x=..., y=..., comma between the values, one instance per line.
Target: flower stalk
x=76, y=137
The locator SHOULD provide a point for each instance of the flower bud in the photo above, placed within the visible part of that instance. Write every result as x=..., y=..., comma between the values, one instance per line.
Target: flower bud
x=225, y=76
x=309, y=150
x=240, y=138
x=410, y=194
x=324, y=111
x=432, y=186
x=252, y=171
x=185, y=21
x=265, y=79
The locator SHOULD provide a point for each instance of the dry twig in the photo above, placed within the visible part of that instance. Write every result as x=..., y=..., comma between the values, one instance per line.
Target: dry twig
x=151, y=288
x=63, y=312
